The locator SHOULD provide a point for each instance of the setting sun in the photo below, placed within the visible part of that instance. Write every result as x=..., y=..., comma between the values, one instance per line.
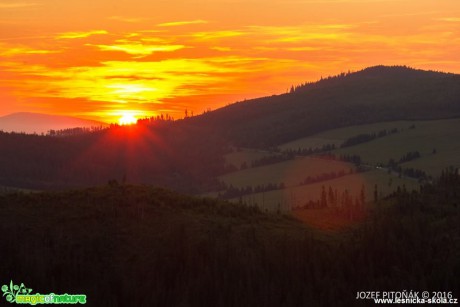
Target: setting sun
x=127, y=119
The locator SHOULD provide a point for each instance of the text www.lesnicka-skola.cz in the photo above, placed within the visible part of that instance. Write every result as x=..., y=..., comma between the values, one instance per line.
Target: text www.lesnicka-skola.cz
x=408, y=297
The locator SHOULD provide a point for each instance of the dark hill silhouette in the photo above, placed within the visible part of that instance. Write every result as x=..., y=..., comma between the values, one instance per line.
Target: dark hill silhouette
x=164, y=153
x=374, y=94
x=42, y=123
x=124, y=245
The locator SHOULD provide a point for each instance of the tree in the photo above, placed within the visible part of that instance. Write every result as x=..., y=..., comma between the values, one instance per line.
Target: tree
x=362, y=195
x=323, y=197
x=330, y=195
x=376, y=194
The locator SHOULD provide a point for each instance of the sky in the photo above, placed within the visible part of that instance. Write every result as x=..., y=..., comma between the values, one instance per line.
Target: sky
x=107, y=58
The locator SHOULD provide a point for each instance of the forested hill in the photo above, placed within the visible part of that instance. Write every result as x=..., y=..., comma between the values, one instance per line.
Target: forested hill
x=374, y=94
x=125, y=245
x=188, y=154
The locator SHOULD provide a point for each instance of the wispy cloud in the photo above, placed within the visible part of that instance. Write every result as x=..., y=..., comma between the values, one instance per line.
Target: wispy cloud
x=139, y=49
x=127, y=19
x=9, y=51
x=74, y=35
x=449, y=19
x=182, y=23
x=210, y=35
x=302, y=33
x=131, y=82
x=126, y=81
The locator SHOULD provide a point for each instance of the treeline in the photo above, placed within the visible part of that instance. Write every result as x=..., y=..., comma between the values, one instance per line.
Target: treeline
x=286, y=155
x=268, y=160
x=343, y=202
x=155, y=119
x=394, y=166
x=351, y=158
x=409, y=156
x=229, y=191
x=328, y=79
x=309, y=151
x=325, y=177
x=367, y=137
x=290, y=154
x=74, y=131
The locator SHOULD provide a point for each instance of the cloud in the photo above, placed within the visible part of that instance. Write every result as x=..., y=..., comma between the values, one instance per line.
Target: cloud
x=302, y=33
x=136, y=82
x=449, y=19
x=209, y=35
x=9, y=51
x=127, y=19
x=139, y=49
x=182, y=23
x=74, y=35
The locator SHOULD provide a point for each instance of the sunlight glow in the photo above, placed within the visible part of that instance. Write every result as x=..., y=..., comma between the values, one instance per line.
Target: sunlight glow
x=127, y=119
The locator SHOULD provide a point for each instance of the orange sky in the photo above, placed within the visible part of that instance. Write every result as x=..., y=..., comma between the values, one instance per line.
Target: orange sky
x=98, y=59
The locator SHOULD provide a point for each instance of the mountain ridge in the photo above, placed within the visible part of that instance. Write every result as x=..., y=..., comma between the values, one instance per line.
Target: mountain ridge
x=378, y=93
x=31, y=122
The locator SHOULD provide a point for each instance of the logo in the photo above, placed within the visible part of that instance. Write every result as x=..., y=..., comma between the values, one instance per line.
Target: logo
x=20, y=294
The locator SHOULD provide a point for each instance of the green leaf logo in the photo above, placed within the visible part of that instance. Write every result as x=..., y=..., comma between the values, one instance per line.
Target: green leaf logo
x=13, y=290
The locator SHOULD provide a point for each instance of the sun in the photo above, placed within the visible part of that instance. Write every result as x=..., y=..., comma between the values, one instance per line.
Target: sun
x=127, y=119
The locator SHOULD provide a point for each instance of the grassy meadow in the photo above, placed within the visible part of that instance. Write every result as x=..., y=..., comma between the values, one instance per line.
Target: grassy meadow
x=424, y=136
x=291, y=172
x=241, y=156
x=435, y=140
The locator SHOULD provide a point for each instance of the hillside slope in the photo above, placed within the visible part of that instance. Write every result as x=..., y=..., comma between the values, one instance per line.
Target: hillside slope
x=374, y=94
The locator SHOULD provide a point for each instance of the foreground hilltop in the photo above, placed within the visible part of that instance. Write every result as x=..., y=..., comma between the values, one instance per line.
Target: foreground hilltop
x=127, y=245
x=375, y=94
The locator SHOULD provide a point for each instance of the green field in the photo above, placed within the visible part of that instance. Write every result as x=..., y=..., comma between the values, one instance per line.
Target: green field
x=441, y=135
x=291, y=172
x=237, y=158
x=338, y=136
x=436, y=140
x=289, y=198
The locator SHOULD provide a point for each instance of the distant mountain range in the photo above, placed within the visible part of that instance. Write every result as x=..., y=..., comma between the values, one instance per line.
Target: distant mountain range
x=375, y=94
x=42, y=123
